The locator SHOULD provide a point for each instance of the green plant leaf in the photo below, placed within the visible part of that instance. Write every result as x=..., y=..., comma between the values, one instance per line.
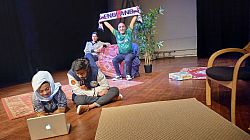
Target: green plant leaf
x=144, y=33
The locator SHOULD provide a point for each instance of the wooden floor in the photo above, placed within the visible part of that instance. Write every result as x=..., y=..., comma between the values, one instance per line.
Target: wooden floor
x=156, y=87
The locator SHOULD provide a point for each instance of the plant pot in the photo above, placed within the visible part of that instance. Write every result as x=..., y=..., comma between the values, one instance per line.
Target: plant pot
x=148, y=68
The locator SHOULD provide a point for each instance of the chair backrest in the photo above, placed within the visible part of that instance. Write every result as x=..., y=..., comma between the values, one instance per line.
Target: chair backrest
x=247, y=47
x=136, y=49
x=111, y=50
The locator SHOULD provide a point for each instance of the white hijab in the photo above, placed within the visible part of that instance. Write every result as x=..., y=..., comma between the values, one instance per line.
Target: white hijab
x=41, y=77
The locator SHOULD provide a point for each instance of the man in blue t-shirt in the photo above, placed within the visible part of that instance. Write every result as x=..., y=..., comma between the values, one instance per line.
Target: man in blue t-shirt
x=124, y=41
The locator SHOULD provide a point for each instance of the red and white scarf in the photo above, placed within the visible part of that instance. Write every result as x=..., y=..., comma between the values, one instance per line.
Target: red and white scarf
x=128, y=12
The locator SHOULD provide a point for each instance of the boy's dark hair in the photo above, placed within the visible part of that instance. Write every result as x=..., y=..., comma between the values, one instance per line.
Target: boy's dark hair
x=79, y=64
x=121, y=22
x=94, y=33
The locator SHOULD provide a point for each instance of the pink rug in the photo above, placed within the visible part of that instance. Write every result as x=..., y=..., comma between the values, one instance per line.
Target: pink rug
x=21, y=105
x=18, y=106
x=196, y=72
x=121, y=84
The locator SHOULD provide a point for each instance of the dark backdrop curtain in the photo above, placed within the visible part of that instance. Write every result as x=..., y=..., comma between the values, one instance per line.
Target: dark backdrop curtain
x=222, y=24
x=44, y=35
x=13, y=58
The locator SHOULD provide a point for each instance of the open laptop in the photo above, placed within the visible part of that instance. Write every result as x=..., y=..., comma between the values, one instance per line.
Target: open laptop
x=48, y=126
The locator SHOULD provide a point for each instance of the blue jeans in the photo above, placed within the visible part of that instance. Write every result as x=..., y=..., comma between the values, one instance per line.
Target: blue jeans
x=92, y=59
x=128, y=58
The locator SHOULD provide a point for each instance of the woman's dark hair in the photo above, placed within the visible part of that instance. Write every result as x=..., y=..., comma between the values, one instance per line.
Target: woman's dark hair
x=80, y=64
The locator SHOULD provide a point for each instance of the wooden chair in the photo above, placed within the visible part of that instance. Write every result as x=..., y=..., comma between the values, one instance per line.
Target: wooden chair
x=227, y=76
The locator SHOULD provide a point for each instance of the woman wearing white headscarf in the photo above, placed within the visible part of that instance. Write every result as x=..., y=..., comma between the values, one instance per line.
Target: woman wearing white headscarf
x=48, y=97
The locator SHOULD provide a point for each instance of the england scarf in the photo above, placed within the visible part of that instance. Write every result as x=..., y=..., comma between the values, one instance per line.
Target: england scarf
x=128, y=12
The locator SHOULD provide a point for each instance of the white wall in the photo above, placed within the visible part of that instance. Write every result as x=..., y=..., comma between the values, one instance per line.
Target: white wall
x=177, y=27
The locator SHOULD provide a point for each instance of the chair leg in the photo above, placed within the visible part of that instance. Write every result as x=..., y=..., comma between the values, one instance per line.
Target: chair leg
x=233, y=105
x=208, y=92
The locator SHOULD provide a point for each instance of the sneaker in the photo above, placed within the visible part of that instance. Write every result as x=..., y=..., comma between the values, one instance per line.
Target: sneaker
x=128, y=77
x=117, y=78
x=82, y=108
x=118, y=98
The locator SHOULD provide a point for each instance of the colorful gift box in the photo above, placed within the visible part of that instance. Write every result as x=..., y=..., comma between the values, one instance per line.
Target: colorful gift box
x=179, y=76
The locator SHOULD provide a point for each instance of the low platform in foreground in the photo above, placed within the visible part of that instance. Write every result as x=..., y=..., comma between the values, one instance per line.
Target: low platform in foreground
x=176, y=119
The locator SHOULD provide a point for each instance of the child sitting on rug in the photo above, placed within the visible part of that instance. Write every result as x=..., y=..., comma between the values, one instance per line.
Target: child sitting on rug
x=48, y=97
x=89, y=86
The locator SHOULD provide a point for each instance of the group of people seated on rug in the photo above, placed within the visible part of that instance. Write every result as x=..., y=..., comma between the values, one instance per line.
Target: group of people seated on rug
x=89, y=85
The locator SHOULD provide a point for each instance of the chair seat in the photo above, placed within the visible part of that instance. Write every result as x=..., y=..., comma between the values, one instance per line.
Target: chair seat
x=223, y=73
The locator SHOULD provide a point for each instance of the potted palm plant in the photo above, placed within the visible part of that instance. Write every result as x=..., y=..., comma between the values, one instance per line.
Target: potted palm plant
x=145, y=36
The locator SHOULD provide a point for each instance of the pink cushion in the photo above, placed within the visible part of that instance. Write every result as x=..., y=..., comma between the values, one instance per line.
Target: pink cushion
x=105, y=60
